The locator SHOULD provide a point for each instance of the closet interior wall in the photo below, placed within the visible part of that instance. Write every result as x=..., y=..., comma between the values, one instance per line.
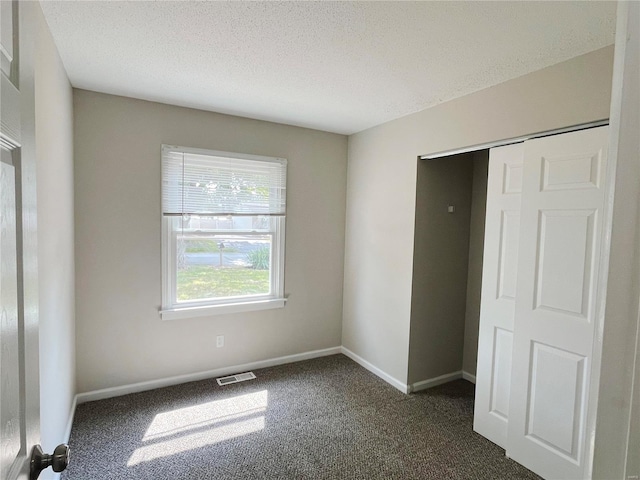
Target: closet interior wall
x=447, y=265
x=476, y=250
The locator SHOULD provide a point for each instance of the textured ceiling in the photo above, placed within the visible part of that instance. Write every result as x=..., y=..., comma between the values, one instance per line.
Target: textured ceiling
x=335, y=66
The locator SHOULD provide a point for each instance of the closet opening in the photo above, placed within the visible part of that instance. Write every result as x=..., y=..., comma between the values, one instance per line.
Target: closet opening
x=449, y=236
x=451, y=194
x=531, y=214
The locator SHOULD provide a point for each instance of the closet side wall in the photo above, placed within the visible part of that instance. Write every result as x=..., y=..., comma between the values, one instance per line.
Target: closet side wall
x=476, y=247
x=441, y=252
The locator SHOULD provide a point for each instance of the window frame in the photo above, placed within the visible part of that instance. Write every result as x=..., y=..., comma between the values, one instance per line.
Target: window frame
x=172, y=309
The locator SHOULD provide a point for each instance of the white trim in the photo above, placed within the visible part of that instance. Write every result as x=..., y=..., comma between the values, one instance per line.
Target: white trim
x=207, y=310
x=72, y=413
x=510, y=141
x=403, y=387
x=192, y=377
x=469, y=377
x=619, y=321
x=433, y=382
x=65, y=438
x=171, y=308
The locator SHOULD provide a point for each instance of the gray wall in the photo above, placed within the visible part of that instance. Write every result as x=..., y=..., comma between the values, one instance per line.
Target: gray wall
x=476, y=250
x=381, y=188
x=440, y=261
x=120, y=336
x=54, y=157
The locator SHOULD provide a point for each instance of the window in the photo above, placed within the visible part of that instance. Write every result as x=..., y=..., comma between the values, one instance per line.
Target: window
x=223, y=223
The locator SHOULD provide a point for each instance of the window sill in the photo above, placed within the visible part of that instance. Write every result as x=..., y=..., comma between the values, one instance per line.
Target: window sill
x=208, y=310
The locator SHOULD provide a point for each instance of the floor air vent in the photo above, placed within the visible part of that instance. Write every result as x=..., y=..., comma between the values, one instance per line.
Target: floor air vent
x=240, y=377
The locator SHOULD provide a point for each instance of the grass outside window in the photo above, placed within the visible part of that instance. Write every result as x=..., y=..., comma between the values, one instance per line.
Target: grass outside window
x=204, y=281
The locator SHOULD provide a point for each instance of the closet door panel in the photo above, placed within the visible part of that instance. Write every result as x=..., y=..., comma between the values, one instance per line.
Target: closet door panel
x=560, y=241
x=497, y=306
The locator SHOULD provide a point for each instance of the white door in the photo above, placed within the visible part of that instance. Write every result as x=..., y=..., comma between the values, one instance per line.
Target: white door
x=19, y=395
x=497, y=306
x=560, y=242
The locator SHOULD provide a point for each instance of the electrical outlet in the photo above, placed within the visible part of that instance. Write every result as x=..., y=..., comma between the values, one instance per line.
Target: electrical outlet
x=220, y=341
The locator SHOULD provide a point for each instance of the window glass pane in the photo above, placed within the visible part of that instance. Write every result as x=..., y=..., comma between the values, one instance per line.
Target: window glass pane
x=222, y=257
x=257, y=223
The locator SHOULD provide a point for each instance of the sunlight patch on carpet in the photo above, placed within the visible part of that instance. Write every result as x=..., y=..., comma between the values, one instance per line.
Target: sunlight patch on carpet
x=189, y=428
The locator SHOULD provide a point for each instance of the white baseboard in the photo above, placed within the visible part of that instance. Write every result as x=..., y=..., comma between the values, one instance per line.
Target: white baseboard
x=193, y=377
x=469, y=377
x=375, y=370
x=433, y=382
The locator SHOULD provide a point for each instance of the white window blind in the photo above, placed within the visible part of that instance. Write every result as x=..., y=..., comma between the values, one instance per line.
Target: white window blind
x=219, y=183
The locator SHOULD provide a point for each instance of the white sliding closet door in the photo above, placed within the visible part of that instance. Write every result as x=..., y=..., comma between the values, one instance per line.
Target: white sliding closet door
x=560, y=241
x=502, y=234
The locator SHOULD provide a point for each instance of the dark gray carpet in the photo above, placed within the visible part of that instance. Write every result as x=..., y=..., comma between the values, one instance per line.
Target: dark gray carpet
x=326, y=418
